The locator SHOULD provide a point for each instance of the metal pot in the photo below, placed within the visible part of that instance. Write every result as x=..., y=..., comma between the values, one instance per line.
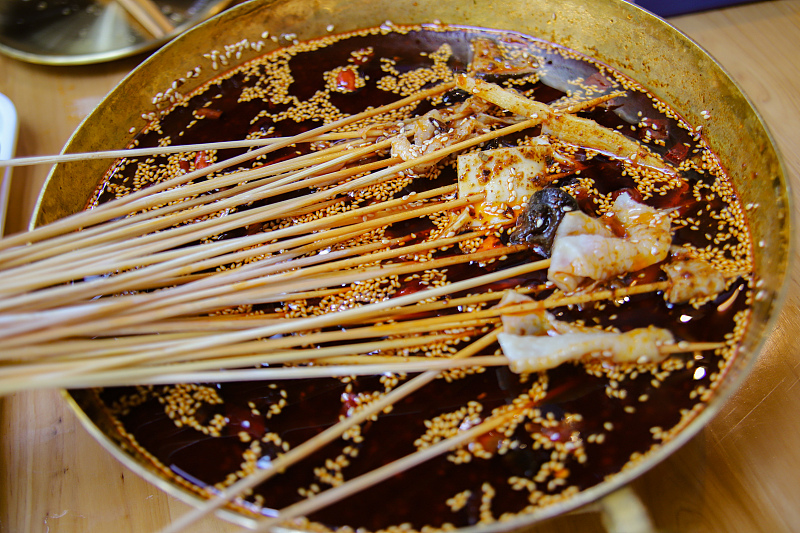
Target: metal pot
x=619, y=34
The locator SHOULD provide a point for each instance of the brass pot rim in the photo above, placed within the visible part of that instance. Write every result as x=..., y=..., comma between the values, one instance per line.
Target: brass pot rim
x=781, y=244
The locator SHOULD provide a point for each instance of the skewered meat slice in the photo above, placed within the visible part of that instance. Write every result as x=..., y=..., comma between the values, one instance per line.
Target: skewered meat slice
x=534, y=353
x=586, y=248
x=692, y=278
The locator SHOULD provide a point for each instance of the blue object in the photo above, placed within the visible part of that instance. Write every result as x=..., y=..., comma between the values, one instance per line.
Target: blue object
x=668, y=8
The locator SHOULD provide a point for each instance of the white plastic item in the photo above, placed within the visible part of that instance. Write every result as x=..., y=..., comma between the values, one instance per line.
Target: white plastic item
x=8, y=141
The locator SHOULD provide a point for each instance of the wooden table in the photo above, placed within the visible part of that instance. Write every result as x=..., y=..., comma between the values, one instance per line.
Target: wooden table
x=741, y=474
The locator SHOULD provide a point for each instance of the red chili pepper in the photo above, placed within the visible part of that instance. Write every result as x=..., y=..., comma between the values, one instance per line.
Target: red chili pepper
x=677, y=154
x=346, y=80
x=488, y=243
x=207, y=112
x=200, y=160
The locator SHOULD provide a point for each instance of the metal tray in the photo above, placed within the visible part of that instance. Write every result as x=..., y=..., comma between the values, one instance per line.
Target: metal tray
x=78, y=32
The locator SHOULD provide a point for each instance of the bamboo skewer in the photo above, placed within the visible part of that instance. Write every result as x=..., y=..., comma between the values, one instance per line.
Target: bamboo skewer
x=431, y=324
x=75, y=319
x=307, y=506
x=335, y=366
x=439, y=305
x=50, y=325
x=352, y=185
x=221, y=323
x=227, y=145
x=280, y=463
x=333, y=495
x=77, y=351
x=61, y=374
x=87, y=262
x=149, y=221
x=149, y=15
x=209, y=323
x=592, y=102
x=162, y=150
x=118, y=208
x=409, y=164
x=200, y=229
x=365, y=368
x=85, y=349
x=185, y=261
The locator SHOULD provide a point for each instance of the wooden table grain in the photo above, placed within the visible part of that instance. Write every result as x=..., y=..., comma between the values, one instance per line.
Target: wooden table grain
x=740, y=474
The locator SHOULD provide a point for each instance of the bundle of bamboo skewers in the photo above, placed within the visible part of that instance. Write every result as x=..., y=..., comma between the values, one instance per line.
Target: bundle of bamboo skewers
x=57, y=332
x=59, y=327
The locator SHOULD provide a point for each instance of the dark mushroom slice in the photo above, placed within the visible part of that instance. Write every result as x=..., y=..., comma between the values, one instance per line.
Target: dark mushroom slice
x=537, y=224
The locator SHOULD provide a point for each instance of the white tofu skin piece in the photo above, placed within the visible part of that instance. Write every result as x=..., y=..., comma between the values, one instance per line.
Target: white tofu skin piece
x=508, y=177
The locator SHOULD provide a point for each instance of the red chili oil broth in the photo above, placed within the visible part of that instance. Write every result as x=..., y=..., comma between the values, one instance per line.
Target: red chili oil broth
x=419, y=496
